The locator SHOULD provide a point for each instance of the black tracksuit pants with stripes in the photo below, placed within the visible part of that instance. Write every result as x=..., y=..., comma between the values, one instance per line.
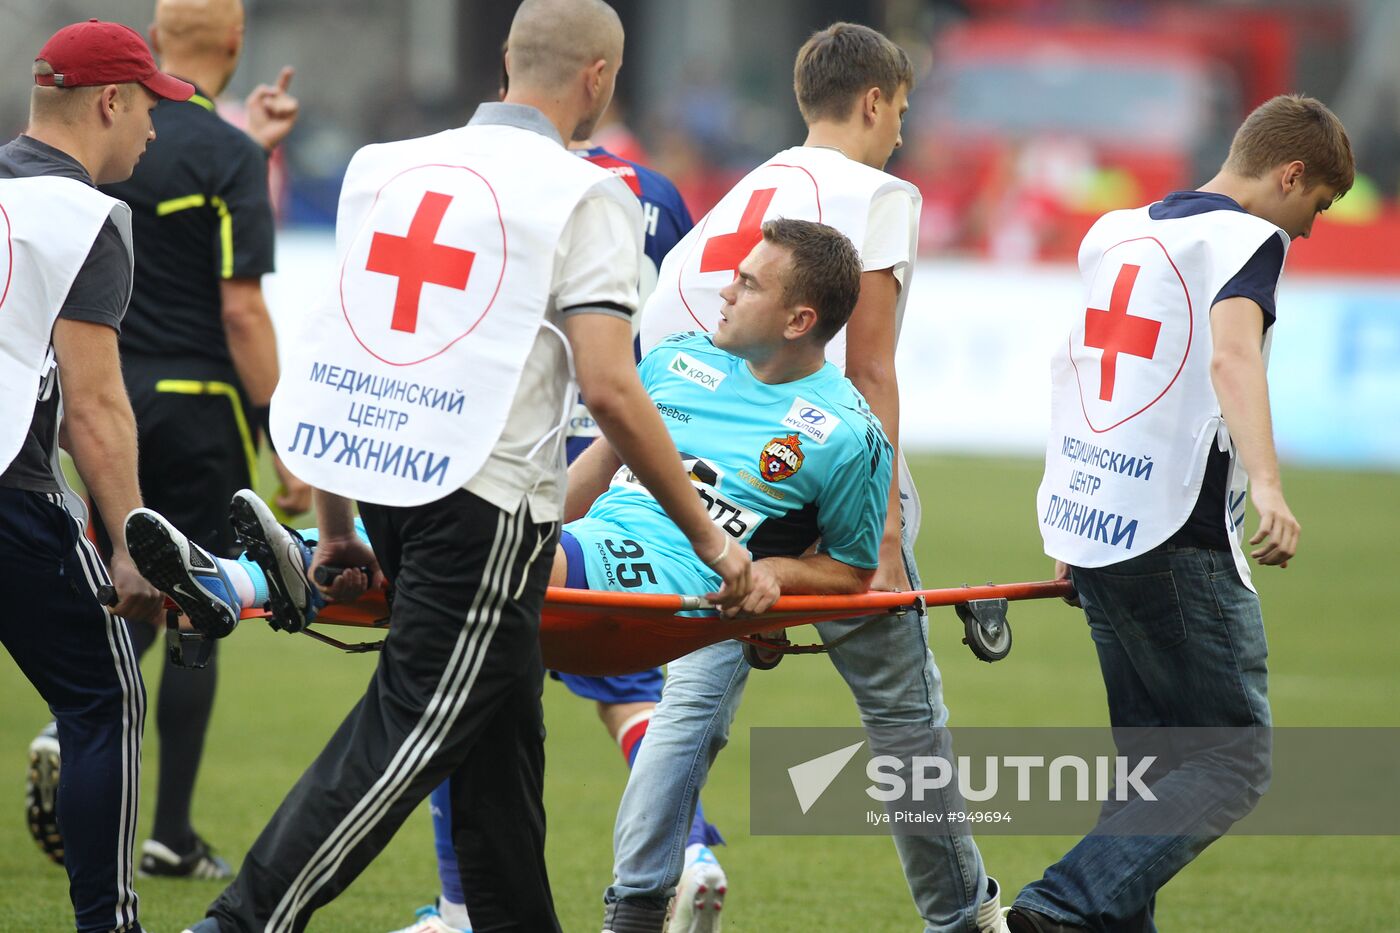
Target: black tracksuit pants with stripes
x=457, y=693
x=79, y=657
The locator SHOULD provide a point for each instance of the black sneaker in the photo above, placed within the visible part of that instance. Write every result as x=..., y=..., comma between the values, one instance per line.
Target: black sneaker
x=41, y=793
x=184, y=571
x=630, y=917
x=159, y=861
x=1024, y=920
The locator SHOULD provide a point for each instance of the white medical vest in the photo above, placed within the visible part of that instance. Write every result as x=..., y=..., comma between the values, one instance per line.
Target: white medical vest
x=1133, y=410
x=405, y=373
x=802, y=183
x=47, y=227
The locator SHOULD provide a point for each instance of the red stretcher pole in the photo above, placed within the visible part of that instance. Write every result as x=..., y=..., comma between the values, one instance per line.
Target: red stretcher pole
x=598, y=632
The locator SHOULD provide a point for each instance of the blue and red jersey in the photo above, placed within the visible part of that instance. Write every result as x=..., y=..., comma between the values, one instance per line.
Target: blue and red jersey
x=666, y=220
x=664, y=213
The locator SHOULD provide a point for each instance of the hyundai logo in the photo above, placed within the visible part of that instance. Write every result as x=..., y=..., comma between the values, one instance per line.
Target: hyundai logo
x=812, y=416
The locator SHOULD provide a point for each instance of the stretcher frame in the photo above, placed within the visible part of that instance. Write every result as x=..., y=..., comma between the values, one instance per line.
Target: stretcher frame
x=603, y=633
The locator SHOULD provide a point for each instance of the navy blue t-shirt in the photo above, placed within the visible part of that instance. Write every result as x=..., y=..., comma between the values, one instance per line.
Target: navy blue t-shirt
x=1257, y=280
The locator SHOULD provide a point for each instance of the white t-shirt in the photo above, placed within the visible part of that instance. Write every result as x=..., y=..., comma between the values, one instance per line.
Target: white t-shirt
x=886, y=246
x=595, y=271
x=886, y=243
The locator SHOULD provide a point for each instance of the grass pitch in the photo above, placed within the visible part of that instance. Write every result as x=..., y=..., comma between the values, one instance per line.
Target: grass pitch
x=1334, y=655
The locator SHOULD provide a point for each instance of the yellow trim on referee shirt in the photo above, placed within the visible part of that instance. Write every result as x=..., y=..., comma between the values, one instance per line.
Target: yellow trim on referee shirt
x=195, y=387
x=225, y=235
x=179, y=204
x=203, y=101
x=165, y=208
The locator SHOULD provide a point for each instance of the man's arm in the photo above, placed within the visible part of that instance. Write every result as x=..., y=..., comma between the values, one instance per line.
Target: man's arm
x=339, y=546
x=818, y=575
x=813, y=574
x=101, y=435
x=607, y=376
x=589, y=477
x=870, y=340
x=1238, y=374
x=251, y=340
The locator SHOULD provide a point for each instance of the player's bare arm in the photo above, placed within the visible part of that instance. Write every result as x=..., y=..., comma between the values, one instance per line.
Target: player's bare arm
x=870, y=341
x=589, y=476
x=1238, y=374
x=811, y=574
x=101, y=436
x=607, y=376
x=339, y=546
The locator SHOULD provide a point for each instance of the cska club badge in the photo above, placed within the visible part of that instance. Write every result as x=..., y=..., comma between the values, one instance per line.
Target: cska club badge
x=781, y=457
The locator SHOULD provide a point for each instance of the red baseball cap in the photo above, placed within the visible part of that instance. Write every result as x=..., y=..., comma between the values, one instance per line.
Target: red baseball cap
x=97, y=53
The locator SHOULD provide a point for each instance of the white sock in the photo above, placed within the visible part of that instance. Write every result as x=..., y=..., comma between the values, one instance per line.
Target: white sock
x=454, y=915
x=692, y=852
x=242, y=583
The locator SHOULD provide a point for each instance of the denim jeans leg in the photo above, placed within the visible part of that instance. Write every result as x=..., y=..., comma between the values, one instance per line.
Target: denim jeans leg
x=899, y=692
x=1181, y=644
x=686, y=732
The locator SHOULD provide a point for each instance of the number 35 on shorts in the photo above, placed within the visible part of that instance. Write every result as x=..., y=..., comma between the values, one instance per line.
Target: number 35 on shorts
x=631, y=571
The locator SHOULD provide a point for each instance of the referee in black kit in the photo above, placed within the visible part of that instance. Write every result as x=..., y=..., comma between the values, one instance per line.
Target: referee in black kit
x=199, y=356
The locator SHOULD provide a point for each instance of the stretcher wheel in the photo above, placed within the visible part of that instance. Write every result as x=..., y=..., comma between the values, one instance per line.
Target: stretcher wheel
x=760, y=657
x=986, y=629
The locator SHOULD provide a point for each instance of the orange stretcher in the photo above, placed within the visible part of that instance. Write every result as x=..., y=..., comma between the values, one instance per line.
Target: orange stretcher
x=605, y=633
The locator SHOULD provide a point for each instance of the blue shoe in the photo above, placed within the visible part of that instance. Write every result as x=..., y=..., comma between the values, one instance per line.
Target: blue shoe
x=207, y=925
x=282, y=556
x=184, y=571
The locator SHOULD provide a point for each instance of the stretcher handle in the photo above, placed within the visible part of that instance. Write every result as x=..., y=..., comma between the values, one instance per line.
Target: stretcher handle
x=950, y=596
x=326, y=573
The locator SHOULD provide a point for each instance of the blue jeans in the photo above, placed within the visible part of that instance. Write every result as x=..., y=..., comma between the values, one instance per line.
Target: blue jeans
x=1181, y=643
x=898, y=690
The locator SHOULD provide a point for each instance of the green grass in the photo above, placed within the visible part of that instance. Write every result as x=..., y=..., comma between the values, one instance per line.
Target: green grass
x=1334, y=656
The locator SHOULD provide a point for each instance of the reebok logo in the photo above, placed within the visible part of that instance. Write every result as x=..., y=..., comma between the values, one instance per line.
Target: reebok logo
x=811, y=778
x=687, y=367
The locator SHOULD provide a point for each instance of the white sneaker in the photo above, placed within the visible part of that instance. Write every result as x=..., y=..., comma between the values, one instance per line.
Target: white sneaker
x=283, y=557
x=428, y=920
x=990, y=916
x=700, y=895
x=41, y=792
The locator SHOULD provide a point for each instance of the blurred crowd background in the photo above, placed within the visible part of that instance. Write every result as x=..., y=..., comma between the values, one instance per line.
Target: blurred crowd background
x=1031, y=116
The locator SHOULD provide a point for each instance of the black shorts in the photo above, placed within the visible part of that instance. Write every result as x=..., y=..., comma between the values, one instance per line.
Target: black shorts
x=197, y=445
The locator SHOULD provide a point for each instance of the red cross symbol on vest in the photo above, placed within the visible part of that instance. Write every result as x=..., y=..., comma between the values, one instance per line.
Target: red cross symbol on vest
x=1116, y=331
x=724, y=252
x=416, y=260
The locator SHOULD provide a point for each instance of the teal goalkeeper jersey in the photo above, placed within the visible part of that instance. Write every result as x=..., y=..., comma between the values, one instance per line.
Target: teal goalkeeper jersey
x=779, y=466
